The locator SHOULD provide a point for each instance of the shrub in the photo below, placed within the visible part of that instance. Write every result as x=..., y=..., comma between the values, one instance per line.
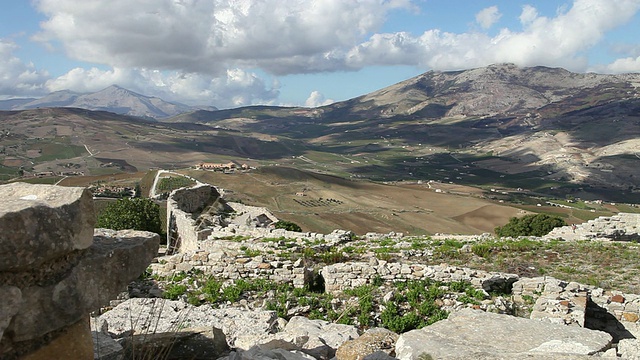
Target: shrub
x=137, y=214
x=530, y=225
x=288, y=225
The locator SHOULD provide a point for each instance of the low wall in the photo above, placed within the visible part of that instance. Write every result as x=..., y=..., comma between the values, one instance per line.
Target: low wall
x=572, y=303
x=338, y=277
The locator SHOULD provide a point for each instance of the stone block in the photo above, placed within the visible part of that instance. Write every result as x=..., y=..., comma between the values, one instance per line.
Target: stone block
x=42, y=223
x=114, y=259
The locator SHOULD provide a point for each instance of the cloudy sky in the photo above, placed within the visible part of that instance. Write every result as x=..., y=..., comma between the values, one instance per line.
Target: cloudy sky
x=230, y=53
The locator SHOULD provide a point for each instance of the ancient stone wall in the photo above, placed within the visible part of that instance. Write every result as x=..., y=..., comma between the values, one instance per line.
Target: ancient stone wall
x=571, y=303
x=184, y=206
x=620, y=227
x=338, y=277
x=228, y=260
x=54, y=270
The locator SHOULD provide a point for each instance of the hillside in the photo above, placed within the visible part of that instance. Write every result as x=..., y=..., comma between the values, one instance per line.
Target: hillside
x=113, y=99
x=537, y=128
x=549, y=131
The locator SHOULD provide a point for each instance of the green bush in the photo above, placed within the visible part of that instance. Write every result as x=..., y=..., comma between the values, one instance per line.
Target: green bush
x=530, y=225
x=288, y=225
x=137, y=214
x=174, y=291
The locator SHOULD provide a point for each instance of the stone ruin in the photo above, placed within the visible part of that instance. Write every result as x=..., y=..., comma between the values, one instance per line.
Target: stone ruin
x=61, y=270
x=577, y=309
x=620, y=227
x=56, y=269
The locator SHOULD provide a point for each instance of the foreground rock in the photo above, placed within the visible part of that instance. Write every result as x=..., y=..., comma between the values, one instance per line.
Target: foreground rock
x=41, y=222
x=62, y=271
x=471, y=334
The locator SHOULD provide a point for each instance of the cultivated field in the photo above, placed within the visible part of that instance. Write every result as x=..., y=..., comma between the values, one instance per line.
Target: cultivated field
x=322, y=203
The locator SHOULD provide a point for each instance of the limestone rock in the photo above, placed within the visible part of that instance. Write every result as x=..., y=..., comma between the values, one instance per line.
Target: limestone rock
x=114, y=260
x=11, y=301
x=191, y=343
x=43, y=222
x=324, y=337
x=167, y=316
x=258, y=353
x=629, y=349
x=372, y=341
x=475, y=334
x=317, y=338
x=105, y=348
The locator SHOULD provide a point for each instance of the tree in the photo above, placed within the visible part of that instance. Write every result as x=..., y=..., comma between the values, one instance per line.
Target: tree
x=126, y=213
x=530, y=225
x=288, y=225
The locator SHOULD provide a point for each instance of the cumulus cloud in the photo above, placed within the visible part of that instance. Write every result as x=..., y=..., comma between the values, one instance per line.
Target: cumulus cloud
x=199, y=51
x=317, y=99
x=207, y=36
x=624, y=65
x=488, y=16
x=16, y=77
x=557, y=41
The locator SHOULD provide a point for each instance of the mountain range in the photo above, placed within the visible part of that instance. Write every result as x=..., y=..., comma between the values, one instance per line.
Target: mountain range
x=544, y=129
x=113, y=99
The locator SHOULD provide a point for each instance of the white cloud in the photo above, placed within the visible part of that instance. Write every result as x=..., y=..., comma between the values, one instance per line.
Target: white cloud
x=16, y=77
x=198, y=51
x=624, y=65
x=317, y=99
x=488, y=16
x=559, y=41
x=208, y=36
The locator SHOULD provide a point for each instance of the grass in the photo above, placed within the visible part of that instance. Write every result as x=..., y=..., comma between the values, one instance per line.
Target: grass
x=609, y=265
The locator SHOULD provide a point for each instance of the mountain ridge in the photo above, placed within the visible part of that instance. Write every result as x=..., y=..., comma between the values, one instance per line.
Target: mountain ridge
x=544, y=129
x=113, y=98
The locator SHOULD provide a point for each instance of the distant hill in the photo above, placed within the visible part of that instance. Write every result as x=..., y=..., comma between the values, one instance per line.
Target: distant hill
x=546, y=130
x=546, y=127
x=113, y=99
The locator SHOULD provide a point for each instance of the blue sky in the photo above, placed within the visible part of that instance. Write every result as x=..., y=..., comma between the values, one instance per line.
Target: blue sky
x=229, y=53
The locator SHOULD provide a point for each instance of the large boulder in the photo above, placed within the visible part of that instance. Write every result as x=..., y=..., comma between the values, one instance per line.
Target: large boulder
x=40, y=223
x=473, y=334
x=56, y=270
x=104, y=270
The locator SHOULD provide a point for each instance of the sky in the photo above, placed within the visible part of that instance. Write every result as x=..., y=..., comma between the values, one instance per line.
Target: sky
x=231, y=53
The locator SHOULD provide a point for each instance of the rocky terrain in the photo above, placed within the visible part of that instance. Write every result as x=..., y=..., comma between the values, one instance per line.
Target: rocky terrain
x=239, y=290
x=228, y=286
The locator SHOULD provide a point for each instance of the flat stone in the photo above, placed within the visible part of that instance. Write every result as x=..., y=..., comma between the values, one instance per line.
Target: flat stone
x=476, y=334
x=164, y=316
x=631, y=317
x=43, y=222
x=617, y=298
